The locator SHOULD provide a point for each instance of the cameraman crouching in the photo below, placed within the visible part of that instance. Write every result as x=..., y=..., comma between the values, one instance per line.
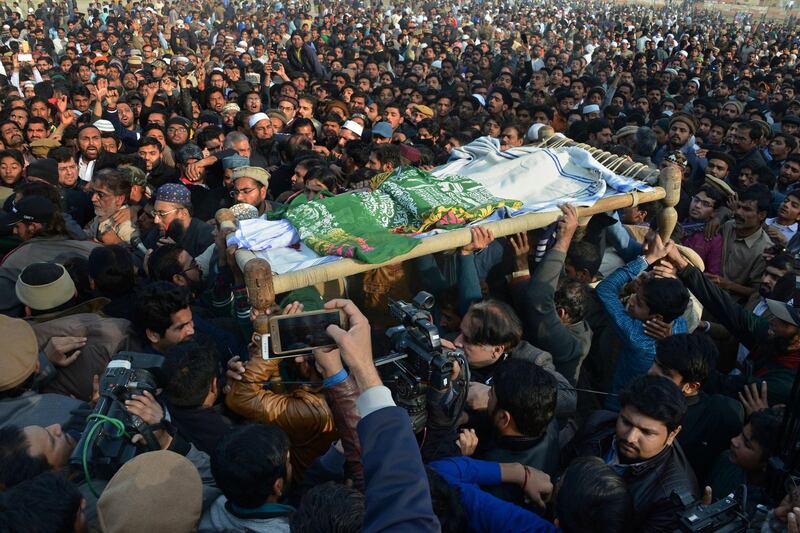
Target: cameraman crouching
x=490, y=333
x=26, y=452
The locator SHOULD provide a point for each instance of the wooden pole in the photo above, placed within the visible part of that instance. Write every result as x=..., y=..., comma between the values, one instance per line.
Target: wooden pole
x=669, y=191
x=445, y=241
x=670, y=181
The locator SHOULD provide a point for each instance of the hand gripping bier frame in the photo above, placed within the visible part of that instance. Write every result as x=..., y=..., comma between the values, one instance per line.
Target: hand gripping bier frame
x=259, y=273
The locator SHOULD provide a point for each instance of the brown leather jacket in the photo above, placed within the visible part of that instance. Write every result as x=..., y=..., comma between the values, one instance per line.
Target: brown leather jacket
x=342, y=401
x=300, y=411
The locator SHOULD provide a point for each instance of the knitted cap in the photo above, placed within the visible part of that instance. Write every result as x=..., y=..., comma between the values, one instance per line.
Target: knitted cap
x=18, y=359
x=174, y=193
x=135, y=498
x=44, y=286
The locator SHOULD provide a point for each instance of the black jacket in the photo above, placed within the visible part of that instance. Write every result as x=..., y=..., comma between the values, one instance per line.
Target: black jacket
x=161, y=174
x=711, y=421
x=540, y=453
x=203, y=427
x=650, y=483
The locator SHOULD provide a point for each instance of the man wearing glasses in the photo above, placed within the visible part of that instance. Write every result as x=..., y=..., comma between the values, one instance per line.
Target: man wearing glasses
x=110, y=190
x=174, y=222
x=250, y=187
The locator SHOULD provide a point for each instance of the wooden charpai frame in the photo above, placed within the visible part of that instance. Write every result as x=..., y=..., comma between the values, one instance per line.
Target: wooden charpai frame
x=667, y=190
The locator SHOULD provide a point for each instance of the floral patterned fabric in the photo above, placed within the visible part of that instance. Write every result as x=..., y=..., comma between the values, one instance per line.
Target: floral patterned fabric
x=374, y=226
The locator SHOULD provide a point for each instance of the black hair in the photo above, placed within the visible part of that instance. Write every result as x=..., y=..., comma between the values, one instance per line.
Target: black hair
x=163, y=264
x=329, y=507
x=596, y=125
x=206, y=134
x=388, y=154
x=324, y=175
x=61, y=154
x=592, y=498
x=655, y=397
x=48, y=503
x=191, y=367
x=16, y=464
x=755, y=132
x=765, y=430
x=528, y=392
x=583, y=255
x=790, y=140
x=666, y=297
x=571, y=296
x=716, y=195
x=79, y=90
x=86, y=127
x=151, y=141
x=758, y=193
x=14, y=154
x=112, y=270
x=38, y=120
x=78, y=269
x=446, y=501
x=691, y=356
x=248, y=462
x=494, y=323
x=547, y=110
x=155, y=303
x=299, y=122
x=358, y=151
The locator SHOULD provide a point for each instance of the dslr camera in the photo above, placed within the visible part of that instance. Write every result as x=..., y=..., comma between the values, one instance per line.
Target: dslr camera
x=106, y=441
x=418, y=362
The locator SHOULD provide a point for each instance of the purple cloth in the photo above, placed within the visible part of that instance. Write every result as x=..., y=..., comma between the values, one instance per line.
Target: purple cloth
x=709, y=251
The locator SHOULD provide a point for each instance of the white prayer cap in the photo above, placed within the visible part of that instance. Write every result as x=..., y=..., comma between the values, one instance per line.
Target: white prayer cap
x=533, y=132
x=355, y=127
x=256, y=118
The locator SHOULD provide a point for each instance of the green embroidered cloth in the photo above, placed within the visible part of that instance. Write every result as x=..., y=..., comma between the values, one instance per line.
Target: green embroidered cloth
x=374, y=226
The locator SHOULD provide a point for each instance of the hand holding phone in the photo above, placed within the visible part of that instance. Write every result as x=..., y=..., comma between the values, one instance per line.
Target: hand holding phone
x=303, y=332
x=355, y=343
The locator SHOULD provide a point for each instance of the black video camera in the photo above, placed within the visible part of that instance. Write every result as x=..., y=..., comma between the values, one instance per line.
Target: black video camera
x=722, y=516
x=418, y=361
x=106, y=441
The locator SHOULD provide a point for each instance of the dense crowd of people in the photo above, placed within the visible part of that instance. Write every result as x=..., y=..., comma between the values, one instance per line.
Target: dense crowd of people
x=609, y=378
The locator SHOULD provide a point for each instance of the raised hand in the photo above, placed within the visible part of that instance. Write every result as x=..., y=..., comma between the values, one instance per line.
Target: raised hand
x=754, y=398
x=522, y=249
x=101, y=90
x=568, y=222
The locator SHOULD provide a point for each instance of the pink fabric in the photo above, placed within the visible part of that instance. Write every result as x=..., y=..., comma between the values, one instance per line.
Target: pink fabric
x=709, y=251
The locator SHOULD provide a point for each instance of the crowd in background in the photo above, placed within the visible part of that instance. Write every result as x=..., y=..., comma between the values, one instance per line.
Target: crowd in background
x=609, y=377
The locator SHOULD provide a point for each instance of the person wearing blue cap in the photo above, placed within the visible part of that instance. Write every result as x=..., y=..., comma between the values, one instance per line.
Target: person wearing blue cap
x=229, y=164
x=382, y=133
x=175, y=223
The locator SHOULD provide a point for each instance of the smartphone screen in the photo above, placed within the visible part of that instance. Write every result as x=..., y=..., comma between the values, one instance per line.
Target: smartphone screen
x=304, y=331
